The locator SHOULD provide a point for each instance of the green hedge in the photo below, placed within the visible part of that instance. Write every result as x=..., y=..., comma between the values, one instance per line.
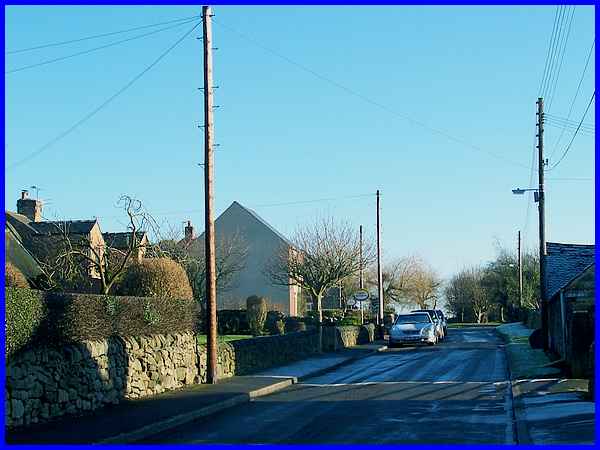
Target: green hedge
x=78, y=317
x=55, y=318
x=25, y=311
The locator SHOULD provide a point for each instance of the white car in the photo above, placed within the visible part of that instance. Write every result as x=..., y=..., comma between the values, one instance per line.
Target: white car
x=413, y=328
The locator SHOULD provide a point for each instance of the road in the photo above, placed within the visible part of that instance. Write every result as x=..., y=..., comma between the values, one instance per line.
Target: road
x=455, y=392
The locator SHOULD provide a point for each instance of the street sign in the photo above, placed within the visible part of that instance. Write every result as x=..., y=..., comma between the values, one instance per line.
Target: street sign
x=351, y=302
x=361, y=296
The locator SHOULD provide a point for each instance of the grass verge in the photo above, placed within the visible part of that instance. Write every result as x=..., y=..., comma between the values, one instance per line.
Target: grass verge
x=225, y=338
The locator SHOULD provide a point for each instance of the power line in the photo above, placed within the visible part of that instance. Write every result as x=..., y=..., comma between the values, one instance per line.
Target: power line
x=96, y=36
x=587, y=61
x=367, y=99
x=91, y=50
x=549, y=52
x=574, y=134
x=555, y=46
x=105, y=103
x=562, y=57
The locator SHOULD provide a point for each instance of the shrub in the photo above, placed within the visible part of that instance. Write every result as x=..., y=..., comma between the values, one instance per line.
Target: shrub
x=271, y=323
x=24, y=313
x=294, y=324
x=79, y=317
x=256, y=311
x=13, y=277
x=232, y=321
x=349, y=321
x=156, y=277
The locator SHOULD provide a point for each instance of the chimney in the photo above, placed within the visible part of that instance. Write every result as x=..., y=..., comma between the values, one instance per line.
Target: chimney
x=189, y=231
x=29, y=207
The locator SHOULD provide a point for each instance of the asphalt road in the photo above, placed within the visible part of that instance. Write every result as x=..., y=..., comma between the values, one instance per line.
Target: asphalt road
x=455, y=392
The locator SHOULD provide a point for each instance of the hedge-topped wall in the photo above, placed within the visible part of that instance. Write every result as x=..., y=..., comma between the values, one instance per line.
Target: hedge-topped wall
x=55, y=318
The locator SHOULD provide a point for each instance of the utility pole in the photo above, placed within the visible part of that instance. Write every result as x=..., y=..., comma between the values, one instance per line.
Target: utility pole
x=360, y=275
x=541, y=164
x=520, y=260
x=379, y=277
x=211, y=285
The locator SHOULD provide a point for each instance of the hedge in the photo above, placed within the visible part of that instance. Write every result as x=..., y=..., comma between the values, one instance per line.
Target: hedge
x=55, y=318
x=25, y=311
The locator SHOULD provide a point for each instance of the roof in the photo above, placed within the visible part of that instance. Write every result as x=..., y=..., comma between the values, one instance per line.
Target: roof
x=262, y=221
x=564, y=262
x=121, y=240
x=16, y=254
x=71, y=226
x=252, y=214
x=20, y=224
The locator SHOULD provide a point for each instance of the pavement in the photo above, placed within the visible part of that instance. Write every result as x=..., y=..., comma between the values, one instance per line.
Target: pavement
x=549, y=409
x=135, y=420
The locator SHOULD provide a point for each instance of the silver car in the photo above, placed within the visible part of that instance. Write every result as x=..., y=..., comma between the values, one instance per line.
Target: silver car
x=437, y=322
x=413, y=328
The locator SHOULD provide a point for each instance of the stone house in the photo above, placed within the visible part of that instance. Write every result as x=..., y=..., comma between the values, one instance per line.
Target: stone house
x=570, y=290
x=120, y=243
x=262, y=243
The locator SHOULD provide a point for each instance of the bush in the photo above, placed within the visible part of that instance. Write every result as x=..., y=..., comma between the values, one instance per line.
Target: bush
x=156, y=277
x=25, y=312
x=294, y=324
x=273, y=317
x=80, y=317
x=232, y=321
x=13, y=277
x=349, y=321
x=256, y=311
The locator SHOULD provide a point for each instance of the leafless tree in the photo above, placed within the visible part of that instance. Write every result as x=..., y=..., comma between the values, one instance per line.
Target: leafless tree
x=423, y=286
x=398, y=279
x=231, y=253
x=321, y=255
x=68, y=257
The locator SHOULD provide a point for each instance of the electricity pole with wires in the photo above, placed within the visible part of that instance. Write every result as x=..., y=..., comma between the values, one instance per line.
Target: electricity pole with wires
x=379, y=276
x=520, y=263
x=211, y=270
x=542, y=221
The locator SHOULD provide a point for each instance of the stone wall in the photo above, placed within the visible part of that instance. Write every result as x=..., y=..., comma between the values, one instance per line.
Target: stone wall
x=45, y=383
x=253, y=355
x=335, y=338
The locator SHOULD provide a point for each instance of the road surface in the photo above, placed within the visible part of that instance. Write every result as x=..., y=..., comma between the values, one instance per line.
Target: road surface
x=455, y=392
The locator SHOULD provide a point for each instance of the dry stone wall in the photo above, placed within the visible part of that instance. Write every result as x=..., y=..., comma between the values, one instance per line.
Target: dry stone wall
x=45, y=383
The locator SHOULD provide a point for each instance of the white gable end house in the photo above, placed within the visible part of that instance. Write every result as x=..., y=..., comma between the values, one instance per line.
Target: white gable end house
x=263, y=243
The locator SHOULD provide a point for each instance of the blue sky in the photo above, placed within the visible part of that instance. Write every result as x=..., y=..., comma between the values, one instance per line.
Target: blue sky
x=286, y=134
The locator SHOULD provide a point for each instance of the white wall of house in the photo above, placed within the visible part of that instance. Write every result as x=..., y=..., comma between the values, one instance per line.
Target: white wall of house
x=262, y=245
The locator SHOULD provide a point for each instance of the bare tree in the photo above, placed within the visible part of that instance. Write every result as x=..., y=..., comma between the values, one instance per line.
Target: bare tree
x=398, y=277
x=423, y=285
x=321, y=255
x=231, y=253
x=67, y=257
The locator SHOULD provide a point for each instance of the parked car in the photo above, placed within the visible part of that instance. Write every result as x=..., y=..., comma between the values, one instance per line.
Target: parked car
x=444, y=321
x=439, y=327
x=413, y=328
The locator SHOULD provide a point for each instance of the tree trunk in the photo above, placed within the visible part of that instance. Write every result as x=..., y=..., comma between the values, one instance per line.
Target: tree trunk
x=502, y=314
x=317, y=303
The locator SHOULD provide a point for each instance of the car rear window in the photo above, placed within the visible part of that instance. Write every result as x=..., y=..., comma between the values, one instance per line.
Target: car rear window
x=413, y=318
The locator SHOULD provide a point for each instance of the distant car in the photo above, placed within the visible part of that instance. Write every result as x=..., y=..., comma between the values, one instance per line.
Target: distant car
x=413, y=328
x=444, y=321
x=439, y=327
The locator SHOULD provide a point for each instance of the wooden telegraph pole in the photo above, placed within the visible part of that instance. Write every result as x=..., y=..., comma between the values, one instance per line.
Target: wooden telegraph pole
x=360, y=275
x=542, y=222
x=211, y=288
x=379, y=277
x=520, y=261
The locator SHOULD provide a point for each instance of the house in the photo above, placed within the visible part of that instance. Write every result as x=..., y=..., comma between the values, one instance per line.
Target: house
x=120, y=243
x=570, y=290
x=262, y=243
x=32, y=242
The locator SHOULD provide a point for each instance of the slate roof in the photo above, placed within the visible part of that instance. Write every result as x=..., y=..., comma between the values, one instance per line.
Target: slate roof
x=72, y=226
x=121, y=240
x=564, y=262
x=17, y=254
